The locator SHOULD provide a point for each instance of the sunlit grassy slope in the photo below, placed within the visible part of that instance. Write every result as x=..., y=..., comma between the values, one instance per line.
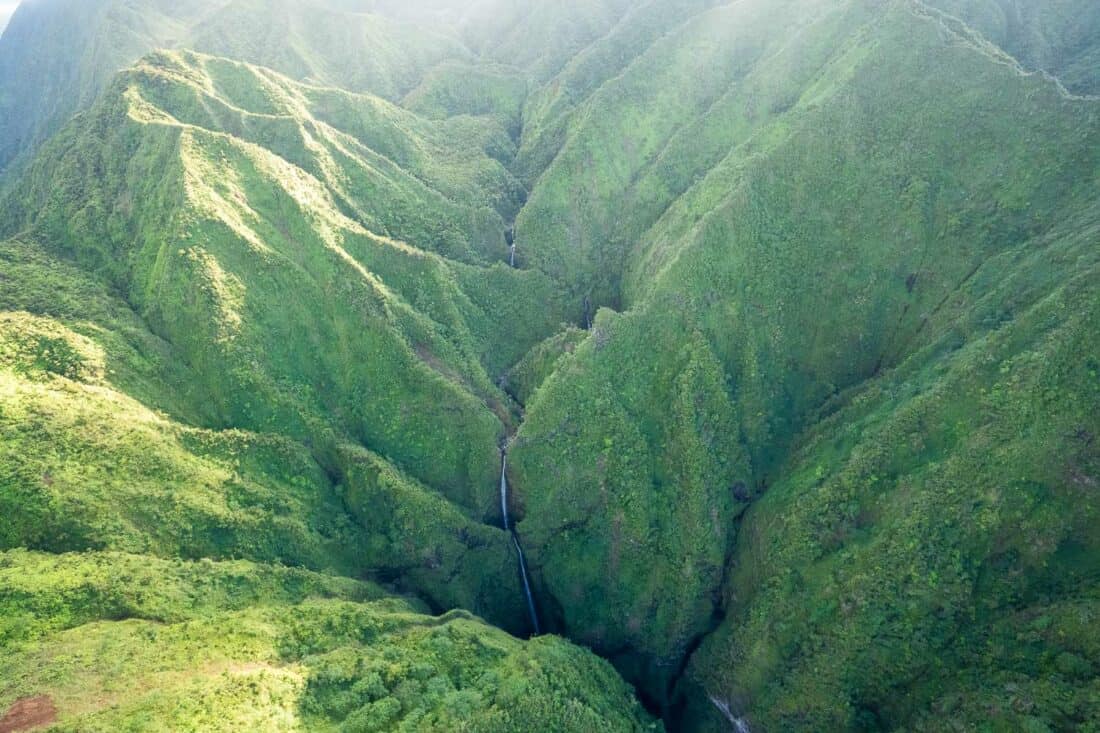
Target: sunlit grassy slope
x=58, y=55
x=254, y=236
x=124, y=643
x=158, y=571
x=824, y=459
x=101, y=451
x=292, y=355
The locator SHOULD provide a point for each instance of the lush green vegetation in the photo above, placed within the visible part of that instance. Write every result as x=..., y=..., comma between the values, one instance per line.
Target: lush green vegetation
x=131, y=611
x=263, y=267
x=122, y=643
x=72, y=48
x=1056, y=36
x=929, y=556
x=798, y=369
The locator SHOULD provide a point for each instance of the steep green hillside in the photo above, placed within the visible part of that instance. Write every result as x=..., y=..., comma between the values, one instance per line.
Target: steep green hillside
x=229, y=647
x=159, y=576
x=796, y=371
x=1060, y=37
x=263, y=267
x=56, y=57
x=929, y=557
x=59, y=55
x=551, y=107
x=648, y=134
x=87, y=466
x=836, y=196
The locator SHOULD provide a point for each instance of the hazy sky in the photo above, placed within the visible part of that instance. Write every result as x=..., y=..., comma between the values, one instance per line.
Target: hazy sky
x=7, y=7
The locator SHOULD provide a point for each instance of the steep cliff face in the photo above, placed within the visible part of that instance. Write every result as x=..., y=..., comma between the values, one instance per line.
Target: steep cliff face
x=784, y=311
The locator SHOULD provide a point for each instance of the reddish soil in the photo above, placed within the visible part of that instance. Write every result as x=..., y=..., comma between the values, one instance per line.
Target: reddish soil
x=28, y=714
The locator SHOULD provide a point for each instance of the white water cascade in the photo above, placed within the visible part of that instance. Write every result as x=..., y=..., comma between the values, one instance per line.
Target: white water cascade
x=515, y=541
x=510, y=240
x=504, y=490
x=740, y=725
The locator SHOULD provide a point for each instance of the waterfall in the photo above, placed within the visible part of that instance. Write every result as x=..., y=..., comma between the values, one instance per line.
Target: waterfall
x=740, y=725
x=527, y=586
x=504, y=489
x=515, y=541
x=510, y=240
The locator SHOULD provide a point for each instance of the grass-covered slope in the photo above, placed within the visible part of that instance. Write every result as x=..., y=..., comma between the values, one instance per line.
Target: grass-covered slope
x=851, y=187
x=155, y=575
x=472, y=58
x=929, y=558
x=649, y=133
x=550, y=108
x=241, y=225
x=93, y=459
x=1060, y=37
x=629, y=478
x=821, y=458
x=109, y=642
x=57, y=56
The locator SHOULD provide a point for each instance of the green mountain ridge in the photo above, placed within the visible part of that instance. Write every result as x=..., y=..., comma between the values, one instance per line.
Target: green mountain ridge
x=797, y=370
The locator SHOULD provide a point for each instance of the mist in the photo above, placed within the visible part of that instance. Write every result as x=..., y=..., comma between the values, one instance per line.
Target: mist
x=6, y=10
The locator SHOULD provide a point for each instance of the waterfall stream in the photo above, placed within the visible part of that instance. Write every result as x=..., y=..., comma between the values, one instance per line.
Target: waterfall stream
x=504, y=490
x=527, y=586
x=510, y=240
x=740, y=725
x=515, y=541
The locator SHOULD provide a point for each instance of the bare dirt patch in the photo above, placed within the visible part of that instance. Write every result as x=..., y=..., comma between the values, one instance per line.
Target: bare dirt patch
x=28, y=714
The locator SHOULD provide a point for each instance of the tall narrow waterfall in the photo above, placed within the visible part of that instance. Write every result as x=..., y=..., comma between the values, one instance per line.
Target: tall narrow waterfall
x=504, y=489
x=740, y=725
x=527, y=586
x=515, y=541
